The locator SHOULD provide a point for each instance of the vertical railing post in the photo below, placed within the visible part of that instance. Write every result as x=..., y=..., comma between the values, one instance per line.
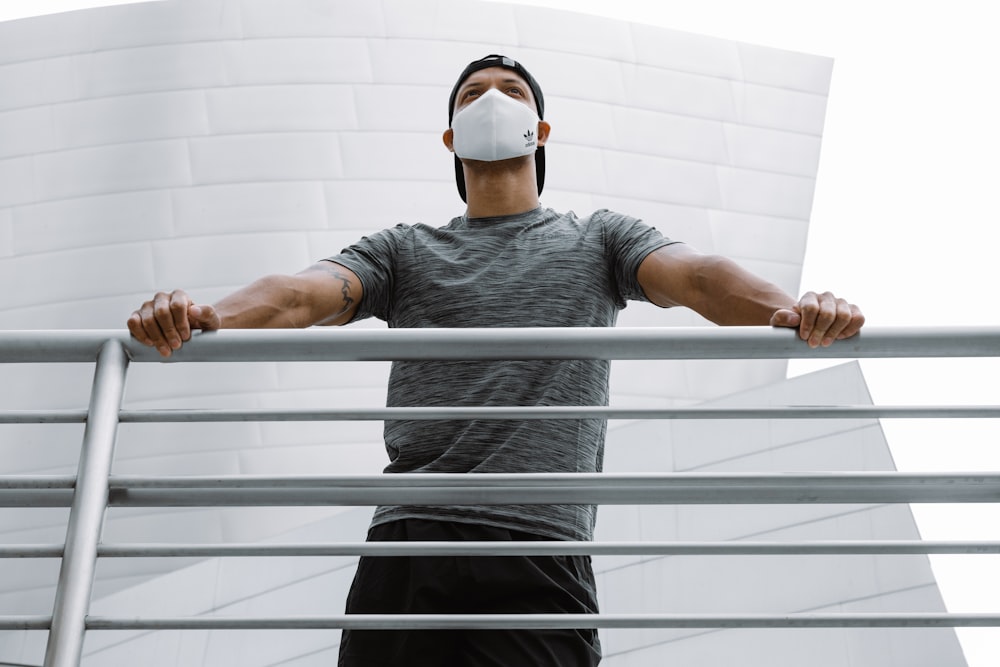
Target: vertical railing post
x=90, y=499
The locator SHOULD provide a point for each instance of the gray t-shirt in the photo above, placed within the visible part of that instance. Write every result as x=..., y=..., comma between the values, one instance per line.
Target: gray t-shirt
x=537, y=269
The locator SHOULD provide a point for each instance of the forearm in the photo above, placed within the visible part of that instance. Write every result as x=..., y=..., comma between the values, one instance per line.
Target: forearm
x=325, y=293
x=727, y=294
x=267, y=303
x=713, y=286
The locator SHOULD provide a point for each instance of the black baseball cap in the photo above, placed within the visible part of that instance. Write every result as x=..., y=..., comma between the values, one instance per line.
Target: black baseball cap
x=495, y=60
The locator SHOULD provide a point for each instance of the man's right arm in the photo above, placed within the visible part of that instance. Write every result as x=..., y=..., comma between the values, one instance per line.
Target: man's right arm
x=326, y=293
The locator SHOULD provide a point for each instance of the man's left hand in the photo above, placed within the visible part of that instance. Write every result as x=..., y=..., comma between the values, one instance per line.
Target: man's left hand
x=821, y=318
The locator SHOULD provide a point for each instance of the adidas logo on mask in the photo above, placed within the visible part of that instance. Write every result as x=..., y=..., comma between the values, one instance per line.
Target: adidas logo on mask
x=529, y=139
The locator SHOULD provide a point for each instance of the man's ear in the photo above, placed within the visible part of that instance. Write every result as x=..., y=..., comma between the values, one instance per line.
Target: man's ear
x=543, y=132
x=449, y=139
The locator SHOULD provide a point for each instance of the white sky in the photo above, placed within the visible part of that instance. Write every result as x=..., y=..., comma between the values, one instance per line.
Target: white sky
x=906, y=218
x=17, y=9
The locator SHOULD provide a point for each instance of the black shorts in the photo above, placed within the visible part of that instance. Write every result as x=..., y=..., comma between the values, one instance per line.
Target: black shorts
x=469, y=585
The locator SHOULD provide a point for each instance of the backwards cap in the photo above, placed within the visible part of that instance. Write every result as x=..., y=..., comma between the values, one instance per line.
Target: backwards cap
x=495, y=60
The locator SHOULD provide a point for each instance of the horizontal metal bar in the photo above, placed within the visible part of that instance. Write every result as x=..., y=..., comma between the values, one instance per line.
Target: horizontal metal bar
x=534, y=548
x=43, y=416
x=271, y=497
x=37, y=481
x=32, y=622
x=566, y=412
x=36, y=491
x=549, y=621
x=350, y=344
x=35, y=499
x=543, y=548
x=31, y=551
x=535, y=489
x=843, y=547
x=519, y=413
x=597, y=480
x=525, y=621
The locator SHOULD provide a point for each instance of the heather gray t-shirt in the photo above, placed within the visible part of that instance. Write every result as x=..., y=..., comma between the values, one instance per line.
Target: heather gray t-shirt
x=537, y=269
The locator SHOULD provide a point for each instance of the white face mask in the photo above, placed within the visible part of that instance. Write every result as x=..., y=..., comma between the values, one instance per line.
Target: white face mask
x=494, y=127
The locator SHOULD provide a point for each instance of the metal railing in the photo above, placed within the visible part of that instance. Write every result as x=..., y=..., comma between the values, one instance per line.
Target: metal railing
x=94, y=488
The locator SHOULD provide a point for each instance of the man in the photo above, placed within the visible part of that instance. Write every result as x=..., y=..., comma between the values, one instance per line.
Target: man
x=506, y=262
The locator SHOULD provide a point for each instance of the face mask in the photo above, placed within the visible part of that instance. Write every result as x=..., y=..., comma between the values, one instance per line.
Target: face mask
x=494, y=127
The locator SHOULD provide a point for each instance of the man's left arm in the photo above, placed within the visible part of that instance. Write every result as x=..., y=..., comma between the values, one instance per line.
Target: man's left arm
x=727, y=294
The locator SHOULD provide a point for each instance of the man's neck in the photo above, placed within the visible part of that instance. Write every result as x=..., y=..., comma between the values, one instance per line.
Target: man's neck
x=496, y=189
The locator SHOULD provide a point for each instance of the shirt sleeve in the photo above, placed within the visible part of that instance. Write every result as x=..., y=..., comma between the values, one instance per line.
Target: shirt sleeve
x=373, y=260
x=627, y=242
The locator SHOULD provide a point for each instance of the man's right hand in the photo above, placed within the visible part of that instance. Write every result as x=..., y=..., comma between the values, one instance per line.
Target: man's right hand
x=165, y=321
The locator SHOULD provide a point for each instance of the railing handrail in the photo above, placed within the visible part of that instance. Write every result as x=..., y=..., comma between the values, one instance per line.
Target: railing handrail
x=689, y=488
x=524, y=621
x=530, y=548
x=177, y=415
x=94, y=488
x=359, y=344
